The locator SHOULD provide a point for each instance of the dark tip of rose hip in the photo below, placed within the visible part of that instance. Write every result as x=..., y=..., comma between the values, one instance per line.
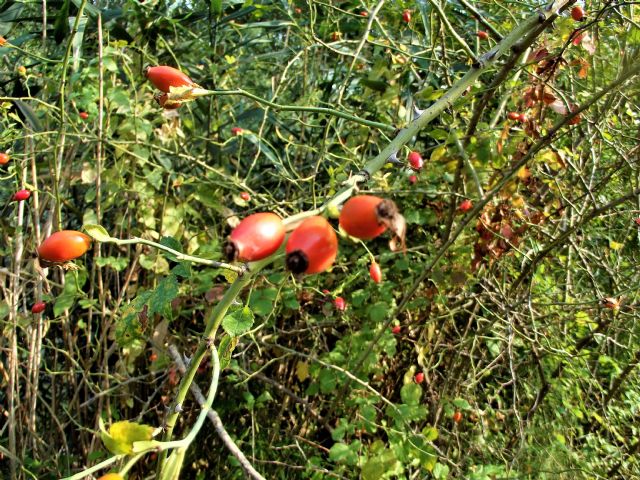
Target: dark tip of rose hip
x=230, y=251
x=387, y=210
x=297, y=262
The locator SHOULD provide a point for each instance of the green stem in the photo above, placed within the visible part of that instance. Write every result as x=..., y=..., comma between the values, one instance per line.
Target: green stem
x=452, y=31
x=213, y=321
x=284, y=108
x=129, y=465
x=179, y=255
x=57, y=158
x=85, y=473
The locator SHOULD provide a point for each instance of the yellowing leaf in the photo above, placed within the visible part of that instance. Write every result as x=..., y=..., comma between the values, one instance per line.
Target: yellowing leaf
x=438, y=154
x=615, y=245
x=121, y=436
x=302, y=371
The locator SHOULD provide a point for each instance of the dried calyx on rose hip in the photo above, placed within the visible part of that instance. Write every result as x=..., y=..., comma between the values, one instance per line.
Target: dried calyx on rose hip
x=312, y=247
x=256, y=237
x=367, y=216
x=163, y=100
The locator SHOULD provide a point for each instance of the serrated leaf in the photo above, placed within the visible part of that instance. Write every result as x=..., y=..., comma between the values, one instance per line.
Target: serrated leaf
x=411, y=393
x=163, y=295
x=97, y=232
x=238, y=322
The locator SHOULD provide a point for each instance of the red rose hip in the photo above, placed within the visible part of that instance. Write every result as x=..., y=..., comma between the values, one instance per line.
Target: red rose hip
x=64, y=246
x=312, y=247
x=21, y=195
x=577, y=13
x=164, y=77
x=415, y=160
x=38, y=307
x=256, y=237
x=375, y=273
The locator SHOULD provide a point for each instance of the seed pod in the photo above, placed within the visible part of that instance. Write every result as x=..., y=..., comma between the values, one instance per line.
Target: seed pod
x=340, y=304
x=415, y=160
x=577, y=13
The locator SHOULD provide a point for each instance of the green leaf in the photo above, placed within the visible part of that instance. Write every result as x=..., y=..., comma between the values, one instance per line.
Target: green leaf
x=225, y=350
x=347, y=454
x=262, y=301
x=216, y=7
x=163, y=295
x=74, y=280
x=97, y=232
x=462, y=404
x=430, y=433
x=238, y=322
x=118, y=264
x=378, y=312
x=381, y=465
x=411, y=393
x=121, y=436
x=440, y=471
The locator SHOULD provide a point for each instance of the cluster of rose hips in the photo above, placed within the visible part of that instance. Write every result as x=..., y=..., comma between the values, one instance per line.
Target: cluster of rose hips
x=312, y=247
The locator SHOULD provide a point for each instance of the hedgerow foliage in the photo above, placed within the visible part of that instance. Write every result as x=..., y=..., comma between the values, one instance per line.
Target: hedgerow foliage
x=528, y=373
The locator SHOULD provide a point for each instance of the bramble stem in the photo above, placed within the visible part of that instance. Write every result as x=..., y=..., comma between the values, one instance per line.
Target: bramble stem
x=213, y=322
